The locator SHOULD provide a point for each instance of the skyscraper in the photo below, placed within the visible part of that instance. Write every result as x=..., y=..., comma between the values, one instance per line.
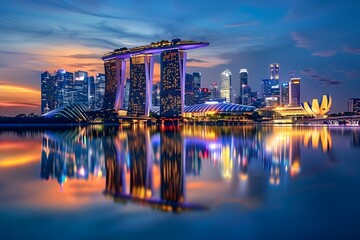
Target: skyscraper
x=127, y=93
x=99, y=90
x=225, y=85
x=92, y=90
x=266, y=85
x=140, y=85
x=284, y=94
x=354, y=105
x=172, y=82
x=115, y=77
x=243, y=84
x=156, y=94
x=274, y=72
x=47, y=92
x=197, y=80
x=294, y=91
x=81, y=89
x=189, y=89
x=64, y=83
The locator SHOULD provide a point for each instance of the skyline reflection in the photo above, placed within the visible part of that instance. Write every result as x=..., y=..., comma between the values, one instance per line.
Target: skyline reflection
x=149, y=166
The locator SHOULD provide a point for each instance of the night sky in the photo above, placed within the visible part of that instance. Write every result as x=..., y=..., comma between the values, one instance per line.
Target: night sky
x=318, y=39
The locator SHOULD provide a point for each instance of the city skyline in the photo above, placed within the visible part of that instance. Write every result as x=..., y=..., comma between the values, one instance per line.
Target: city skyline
x=315, y=39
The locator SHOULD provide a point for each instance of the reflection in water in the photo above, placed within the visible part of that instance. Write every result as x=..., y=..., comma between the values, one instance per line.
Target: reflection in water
x=149, y=167
x=75, y=153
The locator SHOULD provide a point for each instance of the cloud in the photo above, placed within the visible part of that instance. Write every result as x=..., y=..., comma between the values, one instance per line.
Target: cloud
x=18, y=104
x=325, y=53
x=195, y=60
x=84, y=65
x=300, y=41
x=242, y=24
x=320, y=77
x=353, y=74
x=85, y=56
x=352, y=50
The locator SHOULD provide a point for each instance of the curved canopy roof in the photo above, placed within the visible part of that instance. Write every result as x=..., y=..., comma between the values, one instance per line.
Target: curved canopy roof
x=73, y=112
x=218, y=107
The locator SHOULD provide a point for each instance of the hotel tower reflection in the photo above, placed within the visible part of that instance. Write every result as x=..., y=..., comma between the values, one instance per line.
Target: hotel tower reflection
x=149, y=167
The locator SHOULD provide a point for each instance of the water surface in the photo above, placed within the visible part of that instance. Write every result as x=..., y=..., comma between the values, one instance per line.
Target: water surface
x=189, y=182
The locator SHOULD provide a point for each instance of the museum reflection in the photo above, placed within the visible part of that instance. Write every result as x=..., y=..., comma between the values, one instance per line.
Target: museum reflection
x=149, y=166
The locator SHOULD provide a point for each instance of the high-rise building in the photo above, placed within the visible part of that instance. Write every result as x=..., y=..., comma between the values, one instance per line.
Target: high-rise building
x=284, y=94
x=294, y=91
x=266, y=85
x=140, y=85
x=64, y=83
x=189, y=89
x=214, y=91
x=275, y=94
x=81, y=89
x=127, y=93
x=173, y=66
x=92, y=91
x=47, y=92
x=354, y=105
x=274, y=72
x=172, y=81
x=243, y=85
x=156, y=94
x=66, y=88
x=115, y=78
x=99, y=90
x=197, y=80
x=225, y=85
x=202, y=95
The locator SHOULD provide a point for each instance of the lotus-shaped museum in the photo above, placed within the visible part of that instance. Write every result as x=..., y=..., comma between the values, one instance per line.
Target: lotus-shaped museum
x=318, y=109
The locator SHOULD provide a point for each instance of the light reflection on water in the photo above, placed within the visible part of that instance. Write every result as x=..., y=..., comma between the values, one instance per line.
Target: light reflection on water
x=190, y=168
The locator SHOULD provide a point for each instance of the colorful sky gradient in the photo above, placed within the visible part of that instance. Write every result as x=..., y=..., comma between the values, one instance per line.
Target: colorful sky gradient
x=318, y=39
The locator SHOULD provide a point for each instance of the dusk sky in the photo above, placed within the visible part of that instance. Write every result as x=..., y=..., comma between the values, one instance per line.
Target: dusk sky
x=318, y=39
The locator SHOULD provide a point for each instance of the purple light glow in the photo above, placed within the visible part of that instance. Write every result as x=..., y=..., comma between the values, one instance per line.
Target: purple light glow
x=155, y=50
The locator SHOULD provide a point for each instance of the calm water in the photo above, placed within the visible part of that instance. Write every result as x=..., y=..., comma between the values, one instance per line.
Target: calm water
x=184, y=183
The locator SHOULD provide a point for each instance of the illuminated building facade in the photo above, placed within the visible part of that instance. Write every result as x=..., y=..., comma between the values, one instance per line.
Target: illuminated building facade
x=266, y=85
x=189, y=89
x=141, y=67
x=354, y=105
x=284, y=94
x=244, y=88
x=172, y=83
x=274, y=72
x=114, y=83
x=197, y=80
x=294, y=92
x=127, y=93
x=64, y=83
x=156, y=94
x=47, y=92
x=99, y=90
x=225, y=85
x=81, y=88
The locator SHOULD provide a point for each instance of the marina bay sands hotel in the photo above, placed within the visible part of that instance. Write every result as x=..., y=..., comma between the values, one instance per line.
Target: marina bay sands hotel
x=172, y=77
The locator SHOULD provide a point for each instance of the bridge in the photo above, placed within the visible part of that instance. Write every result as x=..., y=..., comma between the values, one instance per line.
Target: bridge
x=338, y=120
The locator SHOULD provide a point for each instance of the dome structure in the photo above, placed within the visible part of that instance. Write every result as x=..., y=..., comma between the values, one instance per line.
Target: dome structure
x=318, y=109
